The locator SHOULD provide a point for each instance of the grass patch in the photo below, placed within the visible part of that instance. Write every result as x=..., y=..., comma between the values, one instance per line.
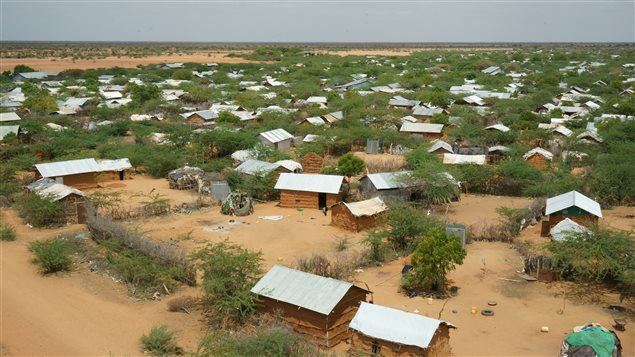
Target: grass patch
x=7, y=233
x=161, y=341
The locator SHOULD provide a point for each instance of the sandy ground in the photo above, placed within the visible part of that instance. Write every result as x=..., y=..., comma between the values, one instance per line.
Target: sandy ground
x=83, y=313
x=61, y=64
x=74, y=314
x=138, y=190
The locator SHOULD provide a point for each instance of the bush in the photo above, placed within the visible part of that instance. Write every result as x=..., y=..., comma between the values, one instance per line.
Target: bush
x=54, y=255
x=229, y=273
x=40, y=211
x=7, y=233
x=594, y=255
x=350, y=165
x=161, y=341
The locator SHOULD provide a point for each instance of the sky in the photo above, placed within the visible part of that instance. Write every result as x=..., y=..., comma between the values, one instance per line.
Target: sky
x=318, y=20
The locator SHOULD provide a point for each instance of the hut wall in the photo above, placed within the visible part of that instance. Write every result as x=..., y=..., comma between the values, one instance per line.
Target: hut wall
x=427, y=136
x=79, y=181
x=302, y=199
x=72, y=206
x=195, y=119
x=537, y=161
x=312, y=163
x=439, y=152
x=439, y=346
x=342, y=217
x=325, y=330
x=282, y=145
x=106, y=176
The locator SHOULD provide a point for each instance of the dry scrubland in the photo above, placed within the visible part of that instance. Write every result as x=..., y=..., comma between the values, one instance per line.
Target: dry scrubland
x=85, y=313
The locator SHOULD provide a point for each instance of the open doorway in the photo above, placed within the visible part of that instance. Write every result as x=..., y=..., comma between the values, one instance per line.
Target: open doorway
x=321, y=200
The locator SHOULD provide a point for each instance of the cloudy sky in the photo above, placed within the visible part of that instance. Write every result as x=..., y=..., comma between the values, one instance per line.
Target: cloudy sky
x=319, y=20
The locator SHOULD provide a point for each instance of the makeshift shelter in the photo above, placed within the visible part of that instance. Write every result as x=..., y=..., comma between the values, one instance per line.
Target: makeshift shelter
x=358, y=216
x=561, y=231
x=538, y=158
x=440, y=147
x=382, y=331
x=309, y=190
x=573, y=205
x=390, y=186
x=76, y=173
x=237, y=204
x=186, y=178
x=497, y=153
x=278, y=138
x=422, y=130
x=73, y=199
x=317, y=307
x=591, y=340
x=312, y=163
x=256, y=168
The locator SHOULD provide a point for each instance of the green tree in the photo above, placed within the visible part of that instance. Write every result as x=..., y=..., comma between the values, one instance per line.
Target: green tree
x=350, y=165
x=227, y=117
x=21, y=68
x=229, y=273
x=182, y=74
x=40, y=211
x=41, y=103
x=144, y=93
x=53, y=255
x=436, y=255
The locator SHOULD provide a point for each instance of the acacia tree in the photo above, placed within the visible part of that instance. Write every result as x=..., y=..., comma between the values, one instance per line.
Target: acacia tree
x=350, y=165
x=229, y=273
x=436, y=255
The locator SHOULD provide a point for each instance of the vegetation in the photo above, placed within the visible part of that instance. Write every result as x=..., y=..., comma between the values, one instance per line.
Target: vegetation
x=229, y=273
x=350, y=165
x=596, y=255
x=40, y=211
x=7, y=233
x=54, y=255
x=436, y=254
x=160, y=341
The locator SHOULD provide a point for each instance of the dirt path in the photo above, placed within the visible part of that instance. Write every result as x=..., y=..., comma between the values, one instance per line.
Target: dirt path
x=61, y=64
x=74, y=314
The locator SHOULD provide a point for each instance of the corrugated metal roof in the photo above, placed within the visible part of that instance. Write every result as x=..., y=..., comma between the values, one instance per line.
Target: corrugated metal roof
x=256, y=167
x=538, y=151
x=114, y=165
x=276, y=135
x=315, y=99
x=563, y=130
x=367, y=208
x=394, y=325
x=7, y=129
x=71, y=167
x=570, y=199
x=408, y=127
x=499, y=127
x=456, y=159
x=46, y=187
x=440, y=144
x=564, y=228
x=310, y=183
x=389, y=180
x=309, y=291
x=423, y=111
x=592, y=135
x=10, y=116
x=315, y=120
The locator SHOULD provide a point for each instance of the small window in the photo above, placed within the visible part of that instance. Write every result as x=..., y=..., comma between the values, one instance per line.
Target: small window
x=376, y=349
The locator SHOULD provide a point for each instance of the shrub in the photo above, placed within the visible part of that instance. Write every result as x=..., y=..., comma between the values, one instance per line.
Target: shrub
x=182, y=74
x=161, y=341
x=350, y=165
x=40, y=211
x=229, y=273
x=53, y=255
x=7, y=233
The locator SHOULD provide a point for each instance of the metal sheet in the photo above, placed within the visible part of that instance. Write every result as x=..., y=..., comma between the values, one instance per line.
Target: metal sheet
x=570, y=199
x=64, y=168
x=309, y=291
x=310, y=183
